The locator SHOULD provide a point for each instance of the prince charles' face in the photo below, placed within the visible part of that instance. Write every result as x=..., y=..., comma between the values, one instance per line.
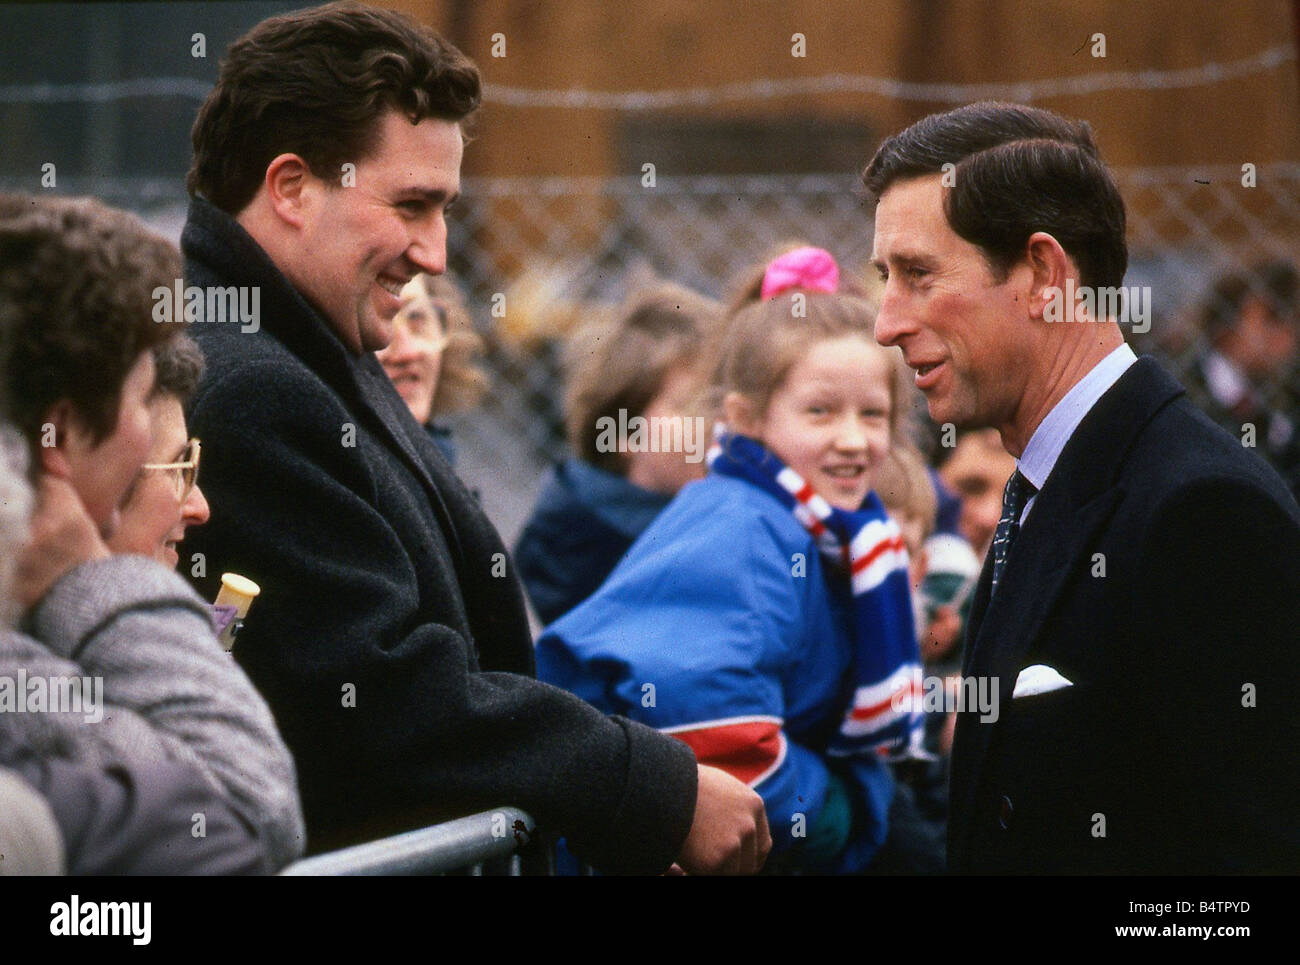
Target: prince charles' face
x=960, y=328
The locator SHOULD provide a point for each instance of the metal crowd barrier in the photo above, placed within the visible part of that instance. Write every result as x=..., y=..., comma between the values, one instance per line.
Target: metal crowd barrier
x=463, y=845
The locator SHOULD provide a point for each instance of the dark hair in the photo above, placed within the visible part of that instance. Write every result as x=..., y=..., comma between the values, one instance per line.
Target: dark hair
x=76, y=306
x=1275, y=282
x=942, y=454
x=1017, y=170
x=315, y=83
x=178, y=366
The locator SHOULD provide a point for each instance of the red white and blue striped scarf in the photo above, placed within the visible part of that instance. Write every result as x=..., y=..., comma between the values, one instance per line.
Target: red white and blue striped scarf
x=865, y=545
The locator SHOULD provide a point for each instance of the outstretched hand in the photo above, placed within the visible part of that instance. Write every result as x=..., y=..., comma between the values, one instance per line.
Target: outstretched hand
x=729, y=834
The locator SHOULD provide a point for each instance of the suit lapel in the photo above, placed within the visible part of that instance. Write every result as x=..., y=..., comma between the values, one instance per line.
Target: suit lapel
x=978, y=607
x=1051, y=545
x=1076, y=501
x=1041, y=562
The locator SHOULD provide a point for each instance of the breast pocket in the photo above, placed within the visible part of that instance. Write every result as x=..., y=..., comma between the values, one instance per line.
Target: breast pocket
x=1049, y=740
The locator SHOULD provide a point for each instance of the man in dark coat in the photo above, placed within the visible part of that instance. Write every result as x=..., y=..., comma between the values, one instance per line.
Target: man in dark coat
x=390, y=637
x=1137, y=611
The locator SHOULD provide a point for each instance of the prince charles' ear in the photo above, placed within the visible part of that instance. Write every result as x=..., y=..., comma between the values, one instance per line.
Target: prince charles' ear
x=1050, y=268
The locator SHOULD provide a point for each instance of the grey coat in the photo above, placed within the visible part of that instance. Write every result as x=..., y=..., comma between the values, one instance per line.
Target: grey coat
x=170, y=691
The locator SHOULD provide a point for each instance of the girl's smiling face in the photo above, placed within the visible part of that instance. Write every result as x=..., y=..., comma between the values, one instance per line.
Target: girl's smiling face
x=829, y=420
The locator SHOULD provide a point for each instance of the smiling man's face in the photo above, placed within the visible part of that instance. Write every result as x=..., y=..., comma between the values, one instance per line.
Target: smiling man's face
x=966, y=334
x=362, y=243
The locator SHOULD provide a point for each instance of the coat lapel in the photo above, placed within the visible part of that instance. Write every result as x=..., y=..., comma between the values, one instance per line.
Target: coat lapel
x=1042, y=560
x=391, y=417
x=1076, y=501
x=378, y=395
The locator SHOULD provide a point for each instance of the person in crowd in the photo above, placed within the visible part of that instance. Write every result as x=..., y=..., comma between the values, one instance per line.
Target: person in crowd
x=164, y=499
x=134, y=816
x=640, y=364
x=392, y=638
x=764, y=617
x=431, y=357
x=1250, y=325
x=30, y=842
x=77, y=339
x=1139, y=645
x=968, y=483
x=976, y=470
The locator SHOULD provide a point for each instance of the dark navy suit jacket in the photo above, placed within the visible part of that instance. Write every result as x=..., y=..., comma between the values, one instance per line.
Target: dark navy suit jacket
x=1159, y=571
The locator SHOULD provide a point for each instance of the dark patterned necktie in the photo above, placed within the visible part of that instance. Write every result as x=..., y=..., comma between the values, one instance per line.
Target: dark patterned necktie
x=1018, y=492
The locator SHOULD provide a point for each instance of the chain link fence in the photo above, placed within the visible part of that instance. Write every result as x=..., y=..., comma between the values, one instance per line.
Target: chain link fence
x=546, y=252
x=535, y=256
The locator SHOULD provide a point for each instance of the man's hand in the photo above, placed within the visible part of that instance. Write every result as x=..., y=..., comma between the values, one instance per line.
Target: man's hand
x=729, y=834
x=62, y=536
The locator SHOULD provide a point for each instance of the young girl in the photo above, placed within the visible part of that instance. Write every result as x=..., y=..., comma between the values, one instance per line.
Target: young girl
x=764, y=617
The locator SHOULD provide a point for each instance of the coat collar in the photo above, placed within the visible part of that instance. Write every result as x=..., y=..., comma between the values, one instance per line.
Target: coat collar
x=1077, y=499
x=216, y=247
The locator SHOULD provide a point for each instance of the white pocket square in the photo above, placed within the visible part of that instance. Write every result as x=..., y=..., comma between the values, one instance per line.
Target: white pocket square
x=1038, y=679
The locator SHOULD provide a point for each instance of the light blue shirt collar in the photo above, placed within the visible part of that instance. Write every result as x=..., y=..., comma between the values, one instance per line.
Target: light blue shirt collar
x=1049, y=439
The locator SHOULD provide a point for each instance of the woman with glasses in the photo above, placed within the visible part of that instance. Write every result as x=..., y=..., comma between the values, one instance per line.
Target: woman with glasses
x=164, y=500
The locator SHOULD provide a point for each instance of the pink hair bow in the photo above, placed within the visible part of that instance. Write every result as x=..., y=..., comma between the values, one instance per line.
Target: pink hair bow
x=813, y=269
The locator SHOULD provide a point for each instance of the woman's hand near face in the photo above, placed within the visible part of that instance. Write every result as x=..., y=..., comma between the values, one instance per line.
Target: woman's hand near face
x=62, y=536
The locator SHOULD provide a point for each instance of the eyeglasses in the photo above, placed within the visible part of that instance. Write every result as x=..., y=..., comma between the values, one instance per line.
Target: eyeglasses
x=185, y=472
x=430, y=324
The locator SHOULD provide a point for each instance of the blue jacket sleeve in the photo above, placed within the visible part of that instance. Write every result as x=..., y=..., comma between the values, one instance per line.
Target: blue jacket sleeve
x=699, y=633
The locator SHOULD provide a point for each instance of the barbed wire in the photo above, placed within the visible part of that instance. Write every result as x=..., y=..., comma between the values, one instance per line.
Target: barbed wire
x=760, y=89
x=152, y=188
x=1020, y=91
x=103, y=92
